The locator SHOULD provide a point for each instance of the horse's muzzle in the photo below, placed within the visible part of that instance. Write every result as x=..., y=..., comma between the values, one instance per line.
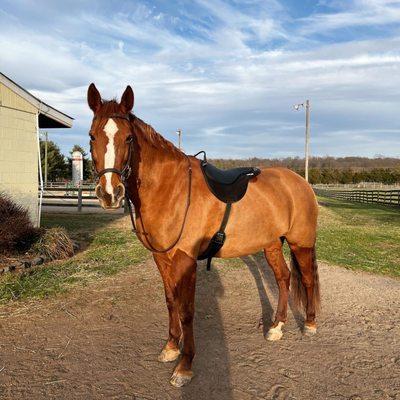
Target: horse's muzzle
x=111, y=201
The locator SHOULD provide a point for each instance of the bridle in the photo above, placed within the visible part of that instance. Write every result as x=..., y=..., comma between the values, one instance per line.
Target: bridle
x=125, y=172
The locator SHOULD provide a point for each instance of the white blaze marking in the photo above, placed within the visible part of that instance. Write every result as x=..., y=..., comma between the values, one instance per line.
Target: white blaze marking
x=109, y=158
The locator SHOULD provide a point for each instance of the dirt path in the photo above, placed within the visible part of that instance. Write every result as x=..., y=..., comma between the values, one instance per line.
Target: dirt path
x=102, y=342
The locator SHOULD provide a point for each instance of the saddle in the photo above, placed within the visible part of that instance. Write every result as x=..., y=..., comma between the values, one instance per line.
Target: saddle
x=228, y=186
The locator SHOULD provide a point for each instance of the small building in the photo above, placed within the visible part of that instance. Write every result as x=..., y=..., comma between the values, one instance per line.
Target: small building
x=21, y=117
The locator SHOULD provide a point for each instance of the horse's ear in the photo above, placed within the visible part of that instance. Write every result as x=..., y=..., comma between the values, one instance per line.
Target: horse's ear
x=127, y=100
x=93, y=98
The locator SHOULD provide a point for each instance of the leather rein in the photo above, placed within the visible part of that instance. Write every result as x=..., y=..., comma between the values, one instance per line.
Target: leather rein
x=124, y=174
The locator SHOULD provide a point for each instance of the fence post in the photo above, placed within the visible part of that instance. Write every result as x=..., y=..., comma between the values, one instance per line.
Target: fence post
x=126, y=206
x=79, y=199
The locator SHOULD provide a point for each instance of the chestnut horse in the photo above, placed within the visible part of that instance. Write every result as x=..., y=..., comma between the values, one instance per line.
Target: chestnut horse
x=176, y=215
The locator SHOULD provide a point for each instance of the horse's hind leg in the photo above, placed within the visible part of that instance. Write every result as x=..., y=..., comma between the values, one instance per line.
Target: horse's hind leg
x=305, y=283
x=276, y=261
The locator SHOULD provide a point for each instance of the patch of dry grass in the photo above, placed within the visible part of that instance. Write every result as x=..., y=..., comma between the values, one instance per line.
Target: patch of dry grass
x=54, y=244
x=110, y=247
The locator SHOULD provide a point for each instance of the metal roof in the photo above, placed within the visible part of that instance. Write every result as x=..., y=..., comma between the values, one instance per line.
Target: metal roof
x=49, y=117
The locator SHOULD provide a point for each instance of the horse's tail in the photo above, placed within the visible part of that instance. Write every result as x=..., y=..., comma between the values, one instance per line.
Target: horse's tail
x=297, y=287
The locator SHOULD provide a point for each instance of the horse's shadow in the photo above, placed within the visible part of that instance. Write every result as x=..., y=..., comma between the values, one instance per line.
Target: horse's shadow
x=212, y=363
x=263, y=275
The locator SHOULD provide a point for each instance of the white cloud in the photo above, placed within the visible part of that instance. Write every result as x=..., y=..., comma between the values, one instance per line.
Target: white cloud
x=354, y=13
x=224, y=81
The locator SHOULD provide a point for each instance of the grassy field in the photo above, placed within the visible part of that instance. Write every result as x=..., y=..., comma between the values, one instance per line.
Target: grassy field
x=355, y=236
x=359, y=236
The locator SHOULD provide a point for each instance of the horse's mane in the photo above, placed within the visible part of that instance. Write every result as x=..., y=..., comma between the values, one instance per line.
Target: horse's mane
x=153, y=137
x=147, y=131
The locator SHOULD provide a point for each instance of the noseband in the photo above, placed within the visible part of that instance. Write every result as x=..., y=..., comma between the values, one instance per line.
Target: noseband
x=126, y=171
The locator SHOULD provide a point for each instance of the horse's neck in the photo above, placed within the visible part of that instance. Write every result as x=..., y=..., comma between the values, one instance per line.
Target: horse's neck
x=161, y=191
x=161, y=174
x=156, y=162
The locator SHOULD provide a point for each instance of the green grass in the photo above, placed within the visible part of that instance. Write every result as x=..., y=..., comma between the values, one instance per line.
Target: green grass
x=359, y=236
x=109, y=247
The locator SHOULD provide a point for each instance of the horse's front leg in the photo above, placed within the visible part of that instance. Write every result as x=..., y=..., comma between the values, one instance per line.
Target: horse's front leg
x=171, y=351
x=184, y=277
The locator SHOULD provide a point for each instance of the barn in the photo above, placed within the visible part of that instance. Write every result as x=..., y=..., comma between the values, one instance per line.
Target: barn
x=21, y=117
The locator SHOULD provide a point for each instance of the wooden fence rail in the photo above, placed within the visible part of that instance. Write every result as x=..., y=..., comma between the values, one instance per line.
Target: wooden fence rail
x=386, y=197
x=70, y=197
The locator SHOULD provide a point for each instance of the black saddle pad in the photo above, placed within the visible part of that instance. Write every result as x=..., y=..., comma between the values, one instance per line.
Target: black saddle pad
x=228, y=185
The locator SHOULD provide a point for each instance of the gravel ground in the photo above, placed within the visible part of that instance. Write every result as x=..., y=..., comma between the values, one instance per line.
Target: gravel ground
x=102, y=341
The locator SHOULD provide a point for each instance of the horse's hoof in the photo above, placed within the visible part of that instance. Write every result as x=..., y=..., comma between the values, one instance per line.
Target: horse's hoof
x=310, y=330
x=168, y=355
x=275, y=333
x=180, y=379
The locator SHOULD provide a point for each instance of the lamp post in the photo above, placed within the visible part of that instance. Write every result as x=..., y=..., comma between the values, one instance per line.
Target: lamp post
x=306, y=105
x=179, y=133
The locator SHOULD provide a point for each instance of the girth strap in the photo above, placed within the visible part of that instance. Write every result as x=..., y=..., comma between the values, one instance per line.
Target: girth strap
x=217, y=241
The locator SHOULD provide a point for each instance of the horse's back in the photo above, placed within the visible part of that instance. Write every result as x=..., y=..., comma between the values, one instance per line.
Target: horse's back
x=296, y=202
x=284, y=180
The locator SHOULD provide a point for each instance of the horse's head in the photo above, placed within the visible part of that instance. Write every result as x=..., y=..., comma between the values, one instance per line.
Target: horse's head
x=111, y=145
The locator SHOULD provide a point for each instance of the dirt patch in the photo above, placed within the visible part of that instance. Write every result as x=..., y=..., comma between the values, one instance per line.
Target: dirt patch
x=102, y=342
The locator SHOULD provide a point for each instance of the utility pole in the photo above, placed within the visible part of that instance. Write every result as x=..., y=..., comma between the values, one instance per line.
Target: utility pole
x=179, y=132
x=307, y=141
x=307, y=147
x=46, y=135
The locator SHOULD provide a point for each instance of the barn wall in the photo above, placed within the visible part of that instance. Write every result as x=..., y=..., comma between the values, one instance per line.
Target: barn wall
x=18, y=150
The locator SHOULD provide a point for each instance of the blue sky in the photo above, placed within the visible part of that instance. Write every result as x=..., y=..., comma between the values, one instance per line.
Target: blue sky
x=226, y=72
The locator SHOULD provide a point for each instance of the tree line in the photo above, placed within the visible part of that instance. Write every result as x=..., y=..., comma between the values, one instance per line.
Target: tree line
x=322, y=169
x=330, y=169
x=388, y=176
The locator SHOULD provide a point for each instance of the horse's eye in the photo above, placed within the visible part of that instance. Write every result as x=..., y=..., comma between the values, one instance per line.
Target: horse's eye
x=92, y=138
x=129, y=139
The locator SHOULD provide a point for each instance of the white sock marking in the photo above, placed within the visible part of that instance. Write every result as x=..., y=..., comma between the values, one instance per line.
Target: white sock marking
x=275, y=333
x=110, y=130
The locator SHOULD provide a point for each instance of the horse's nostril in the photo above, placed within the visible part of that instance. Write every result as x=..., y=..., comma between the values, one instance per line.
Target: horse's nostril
x=99, y=191
x=119, y=191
